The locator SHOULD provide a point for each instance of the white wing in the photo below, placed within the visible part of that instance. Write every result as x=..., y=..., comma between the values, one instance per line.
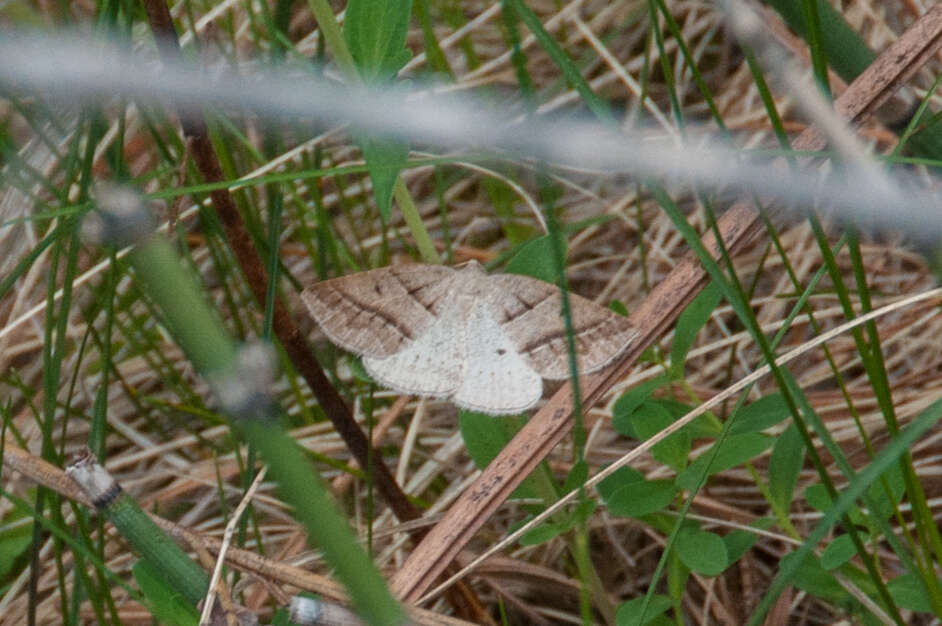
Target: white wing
x=433, y=363
x=496, y=379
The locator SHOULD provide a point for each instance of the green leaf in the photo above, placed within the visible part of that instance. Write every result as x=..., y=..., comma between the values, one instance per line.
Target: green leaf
x=846, y=51
x=577, y=476
x=650, y=419
x=785, y=463
x=433, y=52
x=503, y=199
x=541, y=534
x=639, y=400
x=485, y=436
x=584, y=510
x=281, y=617
x=738, y=543
x=618, y=307
x=384, y=158
x=734, y=450
x=909, y=592
x=883, y=505
x=818, y=498
x=689, y=323
x=535, y=259
x=621, y=477
x=168, y=606
x=816, y=580
x=629, y=402
x=15, y=539
x=703, y=552
x=637, y=499
x=838, y=552
x=359, y=371
x=564, y=523
x=629, y=613
x=375, y=31
x=761, y=414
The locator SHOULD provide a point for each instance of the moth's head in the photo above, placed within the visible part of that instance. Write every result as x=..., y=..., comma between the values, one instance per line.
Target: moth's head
x=471, y=266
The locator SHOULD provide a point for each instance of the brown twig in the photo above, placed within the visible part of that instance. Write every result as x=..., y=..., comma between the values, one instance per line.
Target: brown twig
x=737, y=227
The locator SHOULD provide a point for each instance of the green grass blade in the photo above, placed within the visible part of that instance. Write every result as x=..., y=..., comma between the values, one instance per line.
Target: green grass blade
x=599, y=107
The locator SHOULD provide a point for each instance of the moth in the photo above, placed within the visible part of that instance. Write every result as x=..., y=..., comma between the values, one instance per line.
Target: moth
x=483, y=341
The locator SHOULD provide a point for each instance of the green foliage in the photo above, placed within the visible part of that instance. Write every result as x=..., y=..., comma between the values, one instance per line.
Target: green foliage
x=738, y=542
x=909, y=591
x=843, y=48
x=561, y=524
x=359, y=371
x=535, y=258
x=678, y=574
x=385, y=158
x=764, y=413
x=577, y=476
x=618, y=307
x=14, y=540
x=884, y=500
x=485, y=436
x=633, y=405
x=375, y=32
x=630, y=613
x=817, y=497
x=207, y=344
x=816, y=580
x=503, y=199
x=631, y=401
x=168, y=606
x=802, y=559
x=703, y=552
x=281, y=617
x=650, y=419
x=562, y=61
x=690, y=322
x=785, y=463
x=433, y=50
x=838, y=552
x=732, y=451
x=542, y=533
x=627, y=493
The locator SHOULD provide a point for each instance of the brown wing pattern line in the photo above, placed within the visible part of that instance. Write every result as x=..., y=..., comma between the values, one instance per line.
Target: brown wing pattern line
x=376, y=313
x=531, y=317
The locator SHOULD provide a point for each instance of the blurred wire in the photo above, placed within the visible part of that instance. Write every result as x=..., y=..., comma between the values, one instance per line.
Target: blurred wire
x=93, y=70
